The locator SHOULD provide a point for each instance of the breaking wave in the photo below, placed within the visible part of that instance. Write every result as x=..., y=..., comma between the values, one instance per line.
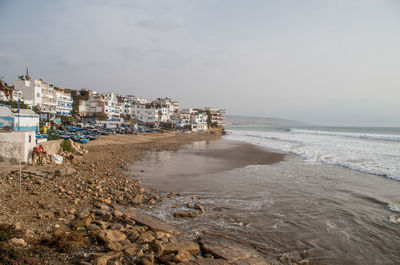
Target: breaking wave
x=372, y=136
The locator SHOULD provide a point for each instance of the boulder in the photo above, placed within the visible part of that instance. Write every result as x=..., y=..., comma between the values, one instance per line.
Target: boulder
x=65, y=171
x=174, y=247
x=186, y=214
x=115, y=246
x=148, y=220
x=201, y=261
x=230, y=251
x=108, y=236
x=147, y=236
x=18, y=242
x=183, y=256
x=130, y=250
x=81, y=222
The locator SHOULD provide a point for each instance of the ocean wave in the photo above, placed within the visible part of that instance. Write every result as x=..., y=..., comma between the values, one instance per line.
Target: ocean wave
x=371, y=136
x=373, y=157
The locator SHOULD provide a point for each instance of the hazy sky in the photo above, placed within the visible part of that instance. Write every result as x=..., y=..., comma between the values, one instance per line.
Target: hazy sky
x=328, y=62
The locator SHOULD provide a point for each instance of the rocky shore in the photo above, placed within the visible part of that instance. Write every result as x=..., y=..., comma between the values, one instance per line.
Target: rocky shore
x=88, y=211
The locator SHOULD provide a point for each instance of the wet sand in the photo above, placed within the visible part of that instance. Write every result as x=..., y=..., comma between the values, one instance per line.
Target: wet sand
x=201, y=157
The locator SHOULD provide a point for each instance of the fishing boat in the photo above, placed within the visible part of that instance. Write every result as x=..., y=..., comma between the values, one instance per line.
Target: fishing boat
x=84, y=140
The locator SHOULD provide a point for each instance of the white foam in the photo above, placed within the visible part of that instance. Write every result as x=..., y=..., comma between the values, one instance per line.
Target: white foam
x=356, y=153
x=373, y=136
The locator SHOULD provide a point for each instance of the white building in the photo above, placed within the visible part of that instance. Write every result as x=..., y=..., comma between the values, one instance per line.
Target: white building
x=112, y=106
x=49, y=101
x=17, y=143
x=31, y=91
x=199, y=120
x=64, y=102
x=217, y=116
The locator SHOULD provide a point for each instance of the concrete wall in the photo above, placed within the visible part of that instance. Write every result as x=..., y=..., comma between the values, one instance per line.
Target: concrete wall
x=16, y=145
x=52, y=147
x=26, y=122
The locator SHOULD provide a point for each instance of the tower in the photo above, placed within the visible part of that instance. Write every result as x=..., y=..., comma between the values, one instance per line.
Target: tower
x=27, y=77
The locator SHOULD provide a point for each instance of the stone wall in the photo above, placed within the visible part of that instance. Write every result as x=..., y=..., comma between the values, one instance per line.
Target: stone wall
x=52, y=147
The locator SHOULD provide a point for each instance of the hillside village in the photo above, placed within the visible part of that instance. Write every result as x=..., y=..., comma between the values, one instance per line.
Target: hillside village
x=30, y=108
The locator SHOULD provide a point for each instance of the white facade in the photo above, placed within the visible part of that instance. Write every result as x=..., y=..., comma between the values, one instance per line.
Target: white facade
x=49, y=101
x=111, y=106
x=137, y=100
x=64, y=102
x=163, y=114
x=31, y=91
x=144, y=112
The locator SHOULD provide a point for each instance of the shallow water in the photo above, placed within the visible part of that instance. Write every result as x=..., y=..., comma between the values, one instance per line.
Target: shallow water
x=338, y=216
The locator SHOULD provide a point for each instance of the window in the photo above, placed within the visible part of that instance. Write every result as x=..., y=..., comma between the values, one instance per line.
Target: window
x=30, y=138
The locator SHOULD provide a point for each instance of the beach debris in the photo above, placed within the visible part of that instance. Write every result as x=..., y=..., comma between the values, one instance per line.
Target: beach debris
x=57, y=159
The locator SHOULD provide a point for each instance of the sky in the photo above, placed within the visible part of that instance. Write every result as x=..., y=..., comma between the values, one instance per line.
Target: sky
x=324, y=62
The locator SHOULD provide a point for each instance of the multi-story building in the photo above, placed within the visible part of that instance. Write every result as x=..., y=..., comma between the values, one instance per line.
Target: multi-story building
x=112, y=106
x=171, y=105
x=198, y=119
x=217, y=116
x=49, y=102
x=96, y=103
x=31, y=91
x=64, y=101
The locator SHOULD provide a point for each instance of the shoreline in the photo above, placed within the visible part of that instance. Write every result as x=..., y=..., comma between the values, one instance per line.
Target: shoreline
x=61, y=210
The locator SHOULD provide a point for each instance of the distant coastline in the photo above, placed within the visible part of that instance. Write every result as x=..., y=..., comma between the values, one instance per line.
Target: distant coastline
x=249, y=120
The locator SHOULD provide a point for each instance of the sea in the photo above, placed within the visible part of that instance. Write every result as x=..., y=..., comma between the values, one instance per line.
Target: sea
x=374, y=150
x=333, y=199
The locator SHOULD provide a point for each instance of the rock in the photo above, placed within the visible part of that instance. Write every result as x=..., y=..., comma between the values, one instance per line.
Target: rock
x=165, y=259
x=171, y=195
x=65, y=171
x=146, y=262
x=157, y=248
x=197, y=206
x=130, y=250
x=117, y=213
x=18, y=242
x=186, y=214
x=182, y=256
x=103, y=258
x=174, y=247
x=117, y=226
x=147, y=236
x=200, y=261
x=114, y=262
x=81, y=222
x=159, y=235
x=190, y=205
x=230, y=251
x=17, y=226
x=108, y=236
x=148, y=220
x=115, y=246
x=93, y=228
x=30, y=235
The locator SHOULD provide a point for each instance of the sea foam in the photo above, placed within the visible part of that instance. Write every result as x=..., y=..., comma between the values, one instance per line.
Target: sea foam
x=377, y=154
